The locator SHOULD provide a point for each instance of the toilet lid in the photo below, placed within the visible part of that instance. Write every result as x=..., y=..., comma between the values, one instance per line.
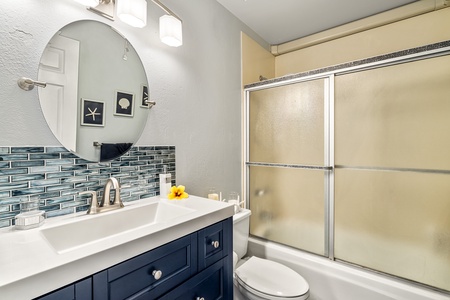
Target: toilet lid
x=271, y=279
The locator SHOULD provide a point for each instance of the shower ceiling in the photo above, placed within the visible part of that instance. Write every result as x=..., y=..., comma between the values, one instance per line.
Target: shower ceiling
x=280, y=21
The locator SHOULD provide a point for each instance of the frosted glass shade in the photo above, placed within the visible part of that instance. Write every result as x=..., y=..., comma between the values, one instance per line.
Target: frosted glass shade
x=170, y=31
x=132, y=12
x=91, y=3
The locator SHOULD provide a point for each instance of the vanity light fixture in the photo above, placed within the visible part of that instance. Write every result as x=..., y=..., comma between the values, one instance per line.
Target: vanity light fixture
x=134, y=13
x=170, y=27
x=170, y=31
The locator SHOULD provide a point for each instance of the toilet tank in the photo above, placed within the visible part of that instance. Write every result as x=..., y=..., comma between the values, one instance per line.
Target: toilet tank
x=241, y=228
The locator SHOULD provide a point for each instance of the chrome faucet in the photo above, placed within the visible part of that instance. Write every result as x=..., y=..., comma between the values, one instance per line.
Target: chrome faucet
x=105, y=204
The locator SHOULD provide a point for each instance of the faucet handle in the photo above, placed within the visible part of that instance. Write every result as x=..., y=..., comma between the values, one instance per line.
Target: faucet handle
x=93, y=208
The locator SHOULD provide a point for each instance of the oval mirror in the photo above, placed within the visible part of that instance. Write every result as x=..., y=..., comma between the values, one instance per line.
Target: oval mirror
x=95, y=101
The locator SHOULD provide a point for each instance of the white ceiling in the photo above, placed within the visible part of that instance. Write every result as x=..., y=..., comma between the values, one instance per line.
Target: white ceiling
x=280, y=21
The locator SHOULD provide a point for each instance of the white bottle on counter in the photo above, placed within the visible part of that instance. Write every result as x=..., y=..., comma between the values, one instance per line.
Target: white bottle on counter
x=165, y=183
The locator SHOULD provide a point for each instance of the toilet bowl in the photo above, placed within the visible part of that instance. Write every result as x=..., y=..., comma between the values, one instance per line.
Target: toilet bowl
x=261, y=279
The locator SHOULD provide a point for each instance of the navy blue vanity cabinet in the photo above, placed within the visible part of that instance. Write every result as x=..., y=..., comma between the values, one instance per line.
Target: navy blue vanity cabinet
x=78, y=290
x=196, y=266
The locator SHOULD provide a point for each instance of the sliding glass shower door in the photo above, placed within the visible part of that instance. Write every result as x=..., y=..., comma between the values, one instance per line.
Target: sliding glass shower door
x=286, y=164
x=392, y=181
x=355, y=166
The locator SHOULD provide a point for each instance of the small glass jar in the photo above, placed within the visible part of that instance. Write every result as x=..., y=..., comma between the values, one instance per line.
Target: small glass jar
x=30, y=216
x=233, y=198
x=213, y=194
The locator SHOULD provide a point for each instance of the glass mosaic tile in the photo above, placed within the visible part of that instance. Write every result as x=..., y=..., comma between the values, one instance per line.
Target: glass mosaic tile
x=55, y=177
x=29, y=163
x=27, y=149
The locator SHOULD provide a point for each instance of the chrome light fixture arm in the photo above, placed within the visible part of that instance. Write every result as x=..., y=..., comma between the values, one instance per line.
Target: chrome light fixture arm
x=166, y=9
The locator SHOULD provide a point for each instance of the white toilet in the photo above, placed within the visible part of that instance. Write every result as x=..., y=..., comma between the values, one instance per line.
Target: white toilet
x=261, y=279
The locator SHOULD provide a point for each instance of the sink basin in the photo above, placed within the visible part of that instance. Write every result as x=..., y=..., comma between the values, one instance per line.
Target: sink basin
x=92, y=228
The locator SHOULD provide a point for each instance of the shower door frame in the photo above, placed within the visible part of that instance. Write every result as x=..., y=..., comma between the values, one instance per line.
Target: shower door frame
x=328, y=167
x=329, y=74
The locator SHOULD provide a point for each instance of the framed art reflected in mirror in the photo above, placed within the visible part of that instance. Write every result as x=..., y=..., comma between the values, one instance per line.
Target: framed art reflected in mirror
x=93, y=112
x=124, y=104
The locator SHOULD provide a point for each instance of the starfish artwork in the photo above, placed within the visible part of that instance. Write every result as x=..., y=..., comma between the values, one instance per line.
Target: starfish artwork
x=92, y=113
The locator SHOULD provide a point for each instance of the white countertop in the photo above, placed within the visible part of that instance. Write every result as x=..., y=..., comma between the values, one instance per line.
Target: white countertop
x=30, y=267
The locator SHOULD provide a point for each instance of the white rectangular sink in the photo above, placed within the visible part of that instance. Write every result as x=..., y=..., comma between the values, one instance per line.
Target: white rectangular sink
x=92, y=228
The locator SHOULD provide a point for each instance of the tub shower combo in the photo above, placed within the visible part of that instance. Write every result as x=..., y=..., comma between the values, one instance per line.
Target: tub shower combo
x=347, y=174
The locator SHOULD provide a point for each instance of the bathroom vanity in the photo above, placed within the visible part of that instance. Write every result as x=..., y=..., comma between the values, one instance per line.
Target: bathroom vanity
x=151, y=248
x=183, y=252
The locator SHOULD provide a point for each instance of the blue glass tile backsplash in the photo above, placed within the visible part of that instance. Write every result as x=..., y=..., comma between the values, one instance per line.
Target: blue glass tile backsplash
x=54, y=177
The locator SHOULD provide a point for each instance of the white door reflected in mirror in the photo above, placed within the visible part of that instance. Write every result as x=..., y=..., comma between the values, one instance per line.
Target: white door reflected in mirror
x=59, y=67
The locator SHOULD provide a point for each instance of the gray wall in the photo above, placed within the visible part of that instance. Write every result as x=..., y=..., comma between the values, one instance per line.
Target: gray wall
x=197, y=86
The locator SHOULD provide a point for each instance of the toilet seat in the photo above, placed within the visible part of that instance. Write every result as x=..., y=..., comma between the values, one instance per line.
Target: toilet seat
x=271, y=280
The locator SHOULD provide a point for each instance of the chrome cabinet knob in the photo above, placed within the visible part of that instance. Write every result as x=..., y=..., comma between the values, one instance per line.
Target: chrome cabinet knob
x=215, y=244
x=157, y=274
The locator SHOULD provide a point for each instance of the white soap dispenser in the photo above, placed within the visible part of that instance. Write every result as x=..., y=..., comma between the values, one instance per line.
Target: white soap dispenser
x=165, y=183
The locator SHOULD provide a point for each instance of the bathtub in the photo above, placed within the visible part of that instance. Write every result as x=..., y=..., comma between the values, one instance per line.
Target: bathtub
x=330, y=280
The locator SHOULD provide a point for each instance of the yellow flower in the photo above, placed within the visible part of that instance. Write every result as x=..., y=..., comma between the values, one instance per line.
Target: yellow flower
x=177, y=192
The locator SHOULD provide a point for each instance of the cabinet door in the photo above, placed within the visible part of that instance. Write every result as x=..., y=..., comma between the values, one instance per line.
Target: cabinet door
x=81, y=290
x=213, y=283
x=214, y=243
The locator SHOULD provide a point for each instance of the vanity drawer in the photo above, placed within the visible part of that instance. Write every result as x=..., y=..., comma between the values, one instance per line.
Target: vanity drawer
x=214, y=243
x=154, y=272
